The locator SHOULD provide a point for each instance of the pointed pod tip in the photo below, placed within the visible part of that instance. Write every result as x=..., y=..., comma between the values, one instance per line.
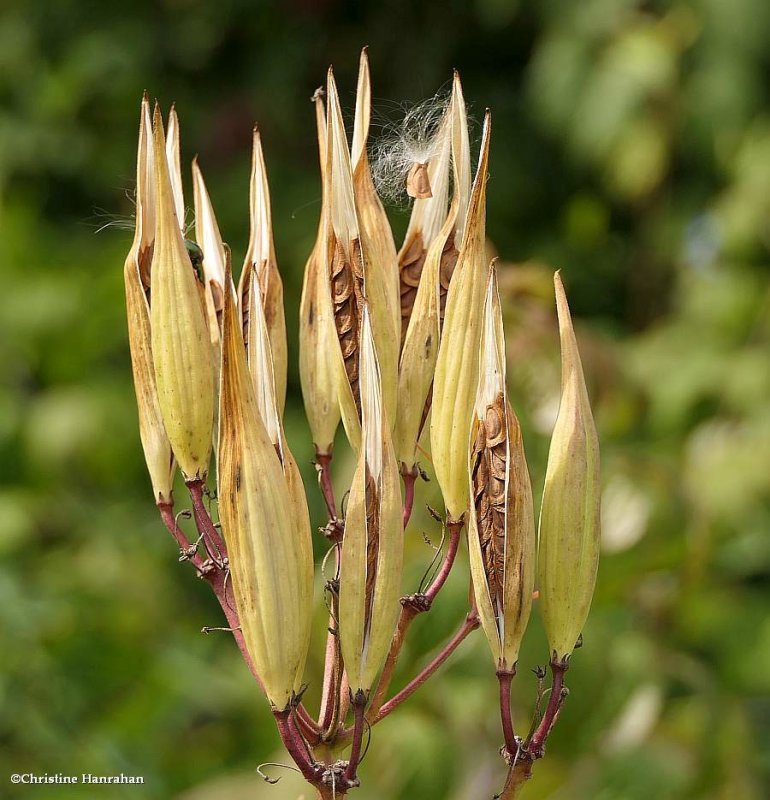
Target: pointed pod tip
x=562, y=307
x=457, y=85
x=492, y=273
x=157, y=117
x=558, y=286
x=145, y=96
x=363, y=64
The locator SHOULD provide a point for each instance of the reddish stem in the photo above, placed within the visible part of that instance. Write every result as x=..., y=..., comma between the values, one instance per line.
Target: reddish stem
x=455, y=529
x=411, y=606
x=308, y=727
x=470, y=624
x=505, y=677
x=521, y=765
x=333, y=667
x=311, y=770
x=409, y=476
x=536, y=745
x=323, y=462
x=214, y=542
x=186, y=550
x=359, y=703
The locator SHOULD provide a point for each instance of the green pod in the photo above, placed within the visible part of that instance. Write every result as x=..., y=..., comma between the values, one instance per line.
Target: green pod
x=457, y=364
x=570, y=528
x=181, y=346
x=372, y=549
x=155, y=444
x=266, y=531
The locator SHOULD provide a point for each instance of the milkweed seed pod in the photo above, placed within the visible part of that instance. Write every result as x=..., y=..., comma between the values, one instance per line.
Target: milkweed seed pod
x=174, y=159
x=418, y=355
x=461, y=172
x=181, y=346
x=457, y=364
x=318, y=362
x=261, y=265
x=345, y=259
x=428, y=215
x=501, y=521
x=213, y=248
x=380, y=260
x=260, y=364
x=266, y=532
x=136, y=274
x=569, y=517
x=372, y=549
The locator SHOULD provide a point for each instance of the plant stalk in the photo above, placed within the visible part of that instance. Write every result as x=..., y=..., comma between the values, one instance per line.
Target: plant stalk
x=409, y=476
x=411, y=606
x=505, y=678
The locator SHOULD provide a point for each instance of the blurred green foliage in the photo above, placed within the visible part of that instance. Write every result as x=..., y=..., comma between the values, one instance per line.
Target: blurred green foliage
x=632, y=149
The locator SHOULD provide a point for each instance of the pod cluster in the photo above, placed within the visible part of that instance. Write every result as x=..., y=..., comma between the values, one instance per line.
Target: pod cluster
x=404, y=345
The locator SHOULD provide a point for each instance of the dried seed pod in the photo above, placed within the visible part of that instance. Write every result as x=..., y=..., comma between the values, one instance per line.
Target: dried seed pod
x=420, y=346
x=266, y=531
x=570, y=516
x=344, y=256
x=136, y=274
x=372, y=550
x=381, y=281
x=427, y=218
x=457, y=364
x=181, y=347
x=214, y=250
x=501, y=523
x=318, y=362
x=261, y=265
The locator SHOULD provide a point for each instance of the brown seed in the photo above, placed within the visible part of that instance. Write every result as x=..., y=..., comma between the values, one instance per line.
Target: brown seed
x=418, y=182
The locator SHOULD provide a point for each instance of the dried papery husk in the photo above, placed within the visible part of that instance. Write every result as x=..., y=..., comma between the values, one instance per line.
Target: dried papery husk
x=209, y=239
x=381, y=280
x=457, y=363
x=372, y=549
x=418, y=356
x=261, y=263
x=426, y=221
x=501, y=526
x=570, y=520
x=174, y=158
x=181, y=346
x=318, y=362
x=265, y=527
x=344, y=257
x=155, y=444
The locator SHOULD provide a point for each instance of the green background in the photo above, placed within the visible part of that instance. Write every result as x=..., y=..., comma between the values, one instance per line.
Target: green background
x=631, y=149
